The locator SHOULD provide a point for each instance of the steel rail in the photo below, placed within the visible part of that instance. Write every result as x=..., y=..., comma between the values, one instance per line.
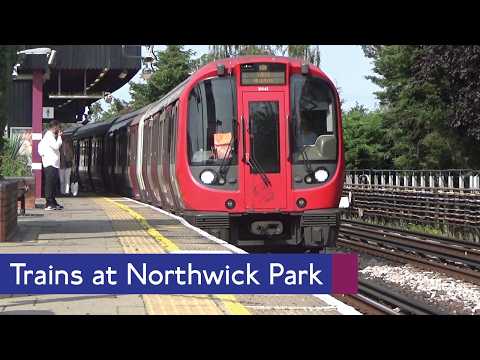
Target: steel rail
x=402, y=232
x=426, y=264
x=466, y=257
x=373, y=299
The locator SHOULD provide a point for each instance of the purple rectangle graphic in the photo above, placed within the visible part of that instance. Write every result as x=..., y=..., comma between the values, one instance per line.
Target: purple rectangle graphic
x=344, y=274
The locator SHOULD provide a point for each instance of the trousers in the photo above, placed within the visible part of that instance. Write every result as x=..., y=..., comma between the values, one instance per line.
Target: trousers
x=65, y=180
x=51, y=184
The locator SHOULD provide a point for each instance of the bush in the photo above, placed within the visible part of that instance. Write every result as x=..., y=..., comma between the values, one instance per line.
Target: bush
x=12, y=163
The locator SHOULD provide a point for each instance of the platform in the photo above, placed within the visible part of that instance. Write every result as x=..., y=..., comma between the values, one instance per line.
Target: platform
x=120, y=225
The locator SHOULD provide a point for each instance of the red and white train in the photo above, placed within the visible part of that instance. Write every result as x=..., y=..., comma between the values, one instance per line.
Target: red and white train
x=249, y=149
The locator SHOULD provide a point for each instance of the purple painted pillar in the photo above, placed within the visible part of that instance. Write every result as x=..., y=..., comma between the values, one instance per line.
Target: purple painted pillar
x=37, y=128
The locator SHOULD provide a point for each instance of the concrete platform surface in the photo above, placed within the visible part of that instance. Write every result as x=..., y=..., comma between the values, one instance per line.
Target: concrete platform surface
x=119, y=225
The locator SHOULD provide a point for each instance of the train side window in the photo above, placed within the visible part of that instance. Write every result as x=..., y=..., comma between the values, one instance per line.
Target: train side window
x=160, y=139
x=166, y=139
x=171, y=139
x=173, y=136
x=314, y=119
x=212, y=109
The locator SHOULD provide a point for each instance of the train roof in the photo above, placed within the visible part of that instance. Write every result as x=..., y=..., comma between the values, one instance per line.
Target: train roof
x=71, y=129
x=126, y=119
x=94, y=129
x=166, y=100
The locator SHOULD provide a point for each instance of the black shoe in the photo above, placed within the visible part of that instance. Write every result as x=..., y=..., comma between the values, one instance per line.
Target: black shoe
x=59, y=207
x=50, y=208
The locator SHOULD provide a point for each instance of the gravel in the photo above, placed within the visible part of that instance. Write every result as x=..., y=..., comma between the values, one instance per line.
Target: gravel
x=436, y=289
x=439, y=290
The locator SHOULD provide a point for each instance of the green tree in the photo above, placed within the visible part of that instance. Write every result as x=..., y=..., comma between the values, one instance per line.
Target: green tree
x=117, y=107
x=309, y=53
x=173, y=65
x=226, y=51
x=364, y=136
x=95, y=112
x=455, y=72
x=7, y=60
x=415, y=112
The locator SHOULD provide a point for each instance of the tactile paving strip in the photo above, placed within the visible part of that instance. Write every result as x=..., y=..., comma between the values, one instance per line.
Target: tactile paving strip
x=138, y=241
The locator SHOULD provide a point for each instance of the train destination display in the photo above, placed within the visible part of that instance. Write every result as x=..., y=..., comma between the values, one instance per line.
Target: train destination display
x=263, y=74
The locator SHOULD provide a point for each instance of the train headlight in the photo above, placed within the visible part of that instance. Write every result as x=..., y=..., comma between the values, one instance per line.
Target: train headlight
x=208, y=177
x=321, y=175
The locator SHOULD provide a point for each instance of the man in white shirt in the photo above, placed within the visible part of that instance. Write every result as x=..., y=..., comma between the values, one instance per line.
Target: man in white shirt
x=49, y=150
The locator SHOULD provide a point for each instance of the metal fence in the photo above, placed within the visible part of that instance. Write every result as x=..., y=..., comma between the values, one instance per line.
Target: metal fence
x=445, y=199
x=447, y=180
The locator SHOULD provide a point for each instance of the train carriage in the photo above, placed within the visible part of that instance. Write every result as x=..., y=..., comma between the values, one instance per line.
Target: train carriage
x=93, y=157
x=249, y=149
x=119, y=158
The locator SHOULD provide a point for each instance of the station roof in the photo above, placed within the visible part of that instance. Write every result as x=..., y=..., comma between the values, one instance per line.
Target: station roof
x=80, y=75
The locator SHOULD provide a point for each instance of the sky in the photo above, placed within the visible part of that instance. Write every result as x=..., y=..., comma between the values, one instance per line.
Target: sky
x=345, y=65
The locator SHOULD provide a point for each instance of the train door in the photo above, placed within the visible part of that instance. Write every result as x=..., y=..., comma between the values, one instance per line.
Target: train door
x=265, y=173
x=147, y=158
x=132, y=165
x=173, y=157
x=91, y=162
x=161, y=180
x=169, y=141
x=168, y=192
x=153, y=166
x=140, y=150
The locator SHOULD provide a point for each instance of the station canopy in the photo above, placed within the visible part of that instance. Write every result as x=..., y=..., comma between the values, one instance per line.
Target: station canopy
x=78, y=76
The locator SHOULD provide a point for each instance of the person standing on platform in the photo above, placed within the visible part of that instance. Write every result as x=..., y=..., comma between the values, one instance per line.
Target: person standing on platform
x=49, y=150
x=66, y=162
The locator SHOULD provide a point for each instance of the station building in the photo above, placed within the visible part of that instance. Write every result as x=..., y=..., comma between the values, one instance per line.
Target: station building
x=59, y=82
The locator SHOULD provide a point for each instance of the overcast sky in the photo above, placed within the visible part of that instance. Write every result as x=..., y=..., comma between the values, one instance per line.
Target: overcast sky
x=344, y=64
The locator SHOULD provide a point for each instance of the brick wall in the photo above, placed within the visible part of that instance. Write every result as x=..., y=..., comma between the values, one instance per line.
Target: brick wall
x=8, y=209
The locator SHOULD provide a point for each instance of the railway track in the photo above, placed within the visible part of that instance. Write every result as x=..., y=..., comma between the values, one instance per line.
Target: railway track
x=373, y=299
x=457, y=258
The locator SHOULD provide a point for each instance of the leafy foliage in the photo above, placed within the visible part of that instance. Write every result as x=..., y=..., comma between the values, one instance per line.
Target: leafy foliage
x=363, y=132
x=455, y=73
x=310, y=53
x=7, y=58
x=116, y=108
x=173, y=65
x=12, y=163
x=417, y=107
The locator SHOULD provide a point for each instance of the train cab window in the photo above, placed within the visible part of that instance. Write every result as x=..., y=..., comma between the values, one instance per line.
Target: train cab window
x=313, y=119
x=211, y=117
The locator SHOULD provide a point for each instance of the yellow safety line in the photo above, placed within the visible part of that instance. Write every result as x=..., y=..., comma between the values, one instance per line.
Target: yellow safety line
x=232, y=305
x=229, y=301
x=167, y=244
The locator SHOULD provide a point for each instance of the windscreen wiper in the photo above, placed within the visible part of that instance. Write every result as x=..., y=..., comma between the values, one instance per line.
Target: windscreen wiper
x=306, y=161
x=224, y=165
x=255, y=165
x=246, y=158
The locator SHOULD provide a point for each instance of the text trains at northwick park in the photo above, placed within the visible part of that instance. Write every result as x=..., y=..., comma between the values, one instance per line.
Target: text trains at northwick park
x=143, y=276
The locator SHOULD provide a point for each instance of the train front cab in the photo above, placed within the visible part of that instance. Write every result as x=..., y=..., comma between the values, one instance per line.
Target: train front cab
x=264, y=153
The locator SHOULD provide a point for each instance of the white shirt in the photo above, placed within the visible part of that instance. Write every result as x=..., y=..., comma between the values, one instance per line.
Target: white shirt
x=49, y=150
